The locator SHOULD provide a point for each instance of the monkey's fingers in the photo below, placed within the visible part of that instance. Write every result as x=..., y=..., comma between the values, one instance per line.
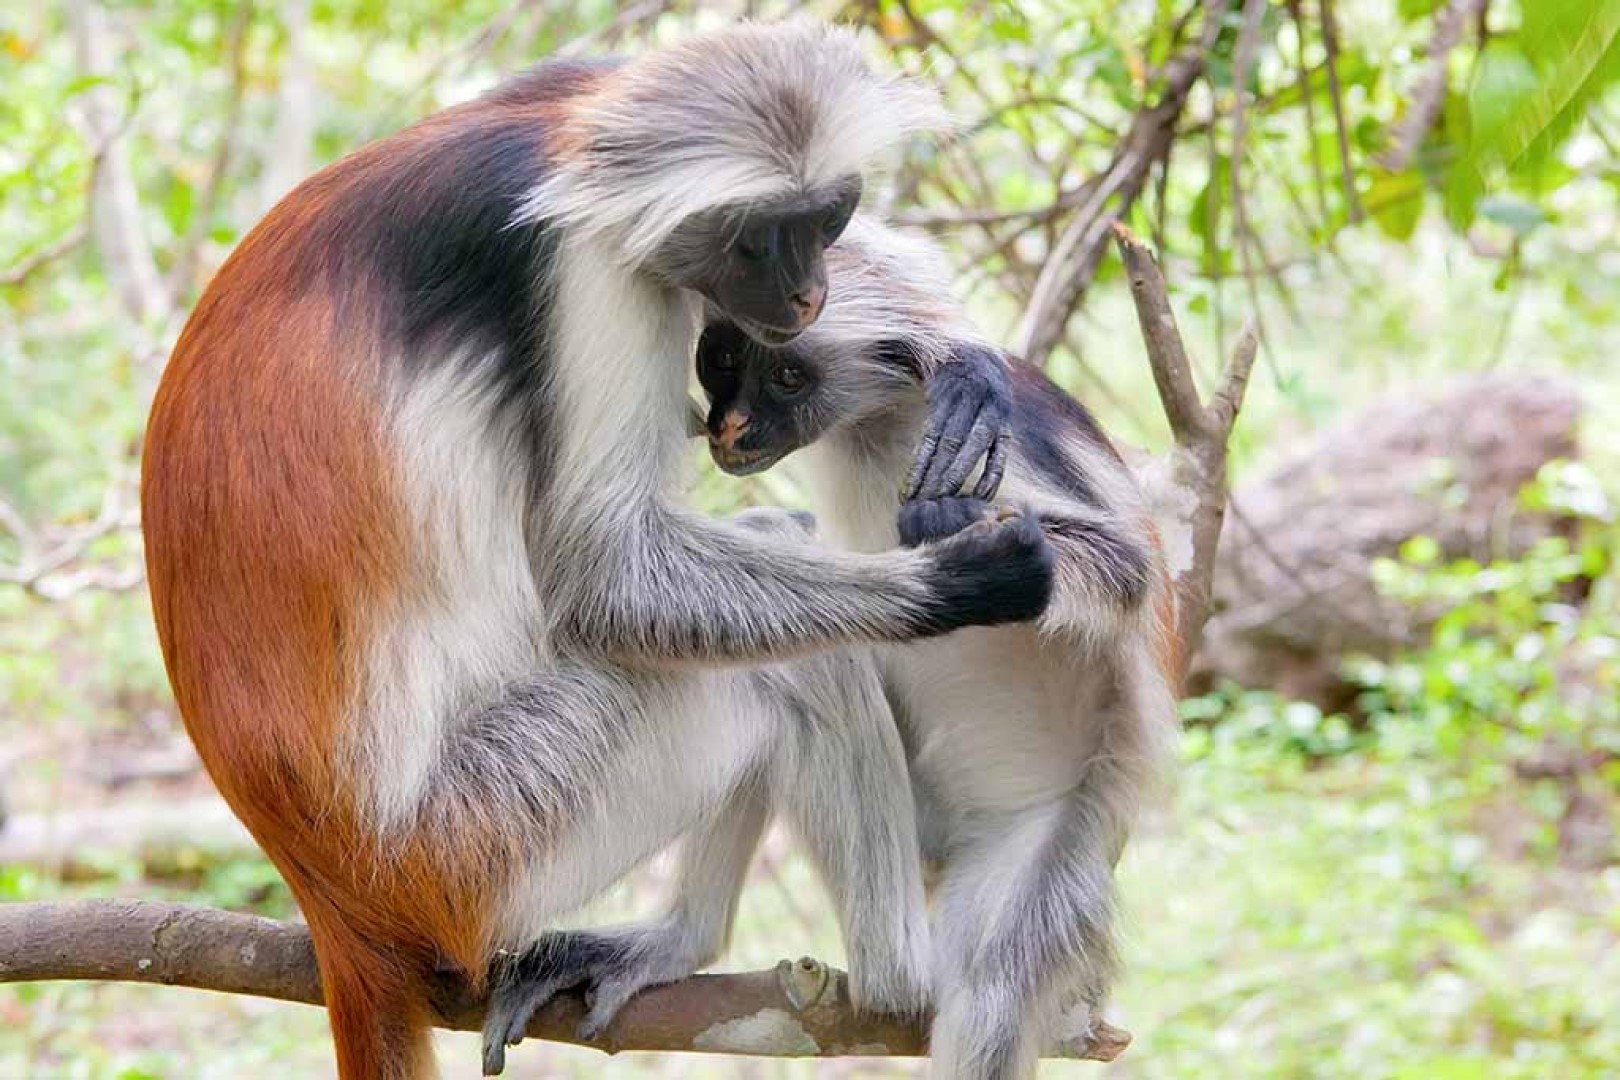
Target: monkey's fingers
x=506, y=1019
x=986, y=432
x=995, y=466
x=604, y=1000
x=920, y=462
x=952, y=419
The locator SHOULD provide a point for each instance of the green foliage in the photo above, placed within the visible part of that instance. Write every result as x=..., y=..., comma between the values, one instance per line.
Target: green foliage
x=1525, y=657
x=1529, y=93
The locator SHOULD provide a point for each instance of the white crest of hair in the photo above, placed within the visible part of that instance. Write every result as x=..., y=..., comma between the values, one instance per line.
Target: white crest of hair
x=472, y=620
x=750, y=114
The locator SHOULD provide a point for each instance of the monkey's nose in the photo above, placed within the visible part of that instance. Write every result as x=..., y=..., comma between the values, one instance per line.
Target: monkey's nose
x=807, y=303
x=731, y=428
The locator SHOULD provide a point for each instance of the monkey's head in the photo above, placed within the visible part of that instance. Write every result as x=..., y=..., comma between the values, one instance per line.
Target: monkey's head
x=766, y=402
x=889, y=318
x=729, y=164
x=763, y=266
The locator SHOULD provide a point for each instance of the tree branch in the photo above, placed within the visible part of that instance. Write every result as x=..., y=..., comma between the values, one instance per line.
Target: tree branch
x=799, y=1009
x=1430, y=90
x=1201, y=432
x=30, y=265
x=116, y=218
x=1074, y=258
x=1347, y=172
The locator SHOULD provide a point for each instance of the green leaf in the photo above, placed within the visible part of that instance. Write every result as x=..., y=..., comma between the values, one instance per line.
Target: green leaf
x=1574, y=46
x=1504, y=79
x=1395, y=202
x=1516, y=214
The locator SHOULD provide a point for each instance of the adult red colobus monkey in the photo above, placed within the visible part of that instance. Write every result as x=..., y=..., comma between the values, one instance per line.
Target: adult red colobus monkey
x=433, y=620
x=1030, y=746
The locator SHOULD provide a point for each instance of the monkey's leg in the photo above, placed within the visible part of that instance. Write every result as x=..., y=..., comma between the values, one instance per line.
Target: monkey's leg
x=1023, y=926
x=616, y=963
x=621, y=764
x=843, y=784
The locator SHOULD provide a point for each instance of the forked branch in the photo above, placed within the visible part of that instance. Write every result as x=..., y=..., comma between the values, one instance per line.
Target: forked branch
x=1201, y=433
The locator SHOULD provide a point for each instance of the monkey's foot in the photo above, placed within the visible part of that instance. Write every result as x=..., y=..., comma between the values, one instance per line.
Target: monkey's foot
x=612, y=965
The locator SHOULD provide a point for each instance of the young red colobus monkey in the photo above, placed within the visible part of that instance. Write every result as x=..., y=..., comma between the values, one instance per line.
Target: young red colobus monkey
x=433, y=617
x=1030, y=747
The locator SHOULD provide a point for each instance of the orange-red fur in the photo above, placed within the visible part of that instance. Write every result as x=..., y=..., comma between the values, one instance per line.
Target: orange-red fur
x=276, y=544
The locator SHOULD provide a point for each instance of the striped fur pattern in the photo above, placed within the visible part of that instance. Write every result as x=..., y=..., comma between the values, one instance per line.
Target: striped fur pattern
x=1031, y=747
x=433, y=618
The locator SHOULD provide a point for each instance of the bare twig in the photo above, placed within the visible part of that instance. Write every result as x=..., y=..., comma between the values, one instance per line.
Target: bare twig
x=1430, y=91
x=1243, y=66
x=461, y=56
x=1308, y=99
x=44, y=566
x=20, y=272
x=1347, y=173
x=626, y=20
x=933, y=219
x=800, y=1009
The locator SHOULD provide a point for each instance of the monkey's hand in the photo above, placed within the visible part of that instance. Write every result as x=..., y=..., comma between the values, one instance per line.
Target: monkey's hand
x=924, y=521
x=993, y=563
x=612, y=965
x=969, y=404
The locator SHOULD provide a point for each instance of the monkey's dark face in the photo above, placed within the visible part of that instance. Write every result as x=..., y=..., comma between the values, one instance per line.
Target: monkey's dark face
x=765, y=268
x=764, y=403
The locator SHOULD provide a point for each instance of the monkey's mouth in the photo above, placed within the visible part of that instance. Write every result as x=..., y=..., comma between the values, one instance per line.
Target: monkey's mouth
x=742, y=462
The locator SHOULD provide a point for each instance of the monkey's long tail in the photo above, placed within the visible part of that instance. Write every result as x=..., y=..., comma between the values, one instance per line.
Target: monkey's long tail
x=377, y=1004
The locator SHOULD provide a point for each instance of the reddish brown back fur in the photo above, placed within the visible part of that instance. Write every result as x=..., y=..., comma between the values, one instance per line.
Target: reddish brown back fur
x=277, y=543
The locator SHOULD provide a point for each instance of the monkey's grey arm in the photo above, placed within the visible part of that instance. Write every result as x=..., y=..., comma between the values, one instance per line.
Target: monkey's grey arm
x=678, y=587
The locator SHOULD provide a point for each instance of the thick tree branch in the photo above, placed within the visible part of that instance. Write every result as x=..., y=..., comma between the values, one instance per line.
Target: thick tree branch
x=797, y=1010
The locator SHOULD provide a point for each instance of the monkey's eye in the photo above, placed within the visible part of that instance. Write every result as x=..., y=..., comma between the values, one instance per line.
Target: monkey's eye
x=834, y=224
x=789, y=379
x=753, y=245
x=723, y=360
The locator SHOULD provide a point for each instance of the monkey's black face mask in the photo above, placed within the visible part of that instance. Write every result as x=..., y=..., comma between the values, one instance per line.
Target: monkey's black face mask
x=762, y=401
x=764, y=267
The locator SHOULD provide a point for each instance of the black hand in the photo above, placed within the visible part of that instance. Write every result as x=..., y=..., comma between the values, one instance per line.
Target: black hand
x=926, y=520
x=969, y=402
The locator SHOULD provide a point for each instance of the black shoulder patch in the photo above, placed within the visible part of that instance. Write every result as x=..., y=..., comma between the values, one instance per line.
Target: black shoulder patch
x=1042, y=415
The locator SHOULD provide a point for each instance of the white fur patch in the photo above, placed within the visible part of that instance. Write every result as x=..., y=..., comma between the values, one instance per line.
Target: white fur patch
x=470, y=619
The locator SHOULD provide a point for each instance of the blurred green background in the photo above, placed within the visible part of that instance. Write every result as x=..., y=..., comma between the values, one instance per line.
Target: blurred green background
x=1415, y=875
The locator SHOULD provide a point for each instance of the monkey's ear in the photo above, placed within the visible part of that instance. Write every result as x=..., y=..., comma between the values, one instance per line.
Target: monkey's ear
x=900, y=354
